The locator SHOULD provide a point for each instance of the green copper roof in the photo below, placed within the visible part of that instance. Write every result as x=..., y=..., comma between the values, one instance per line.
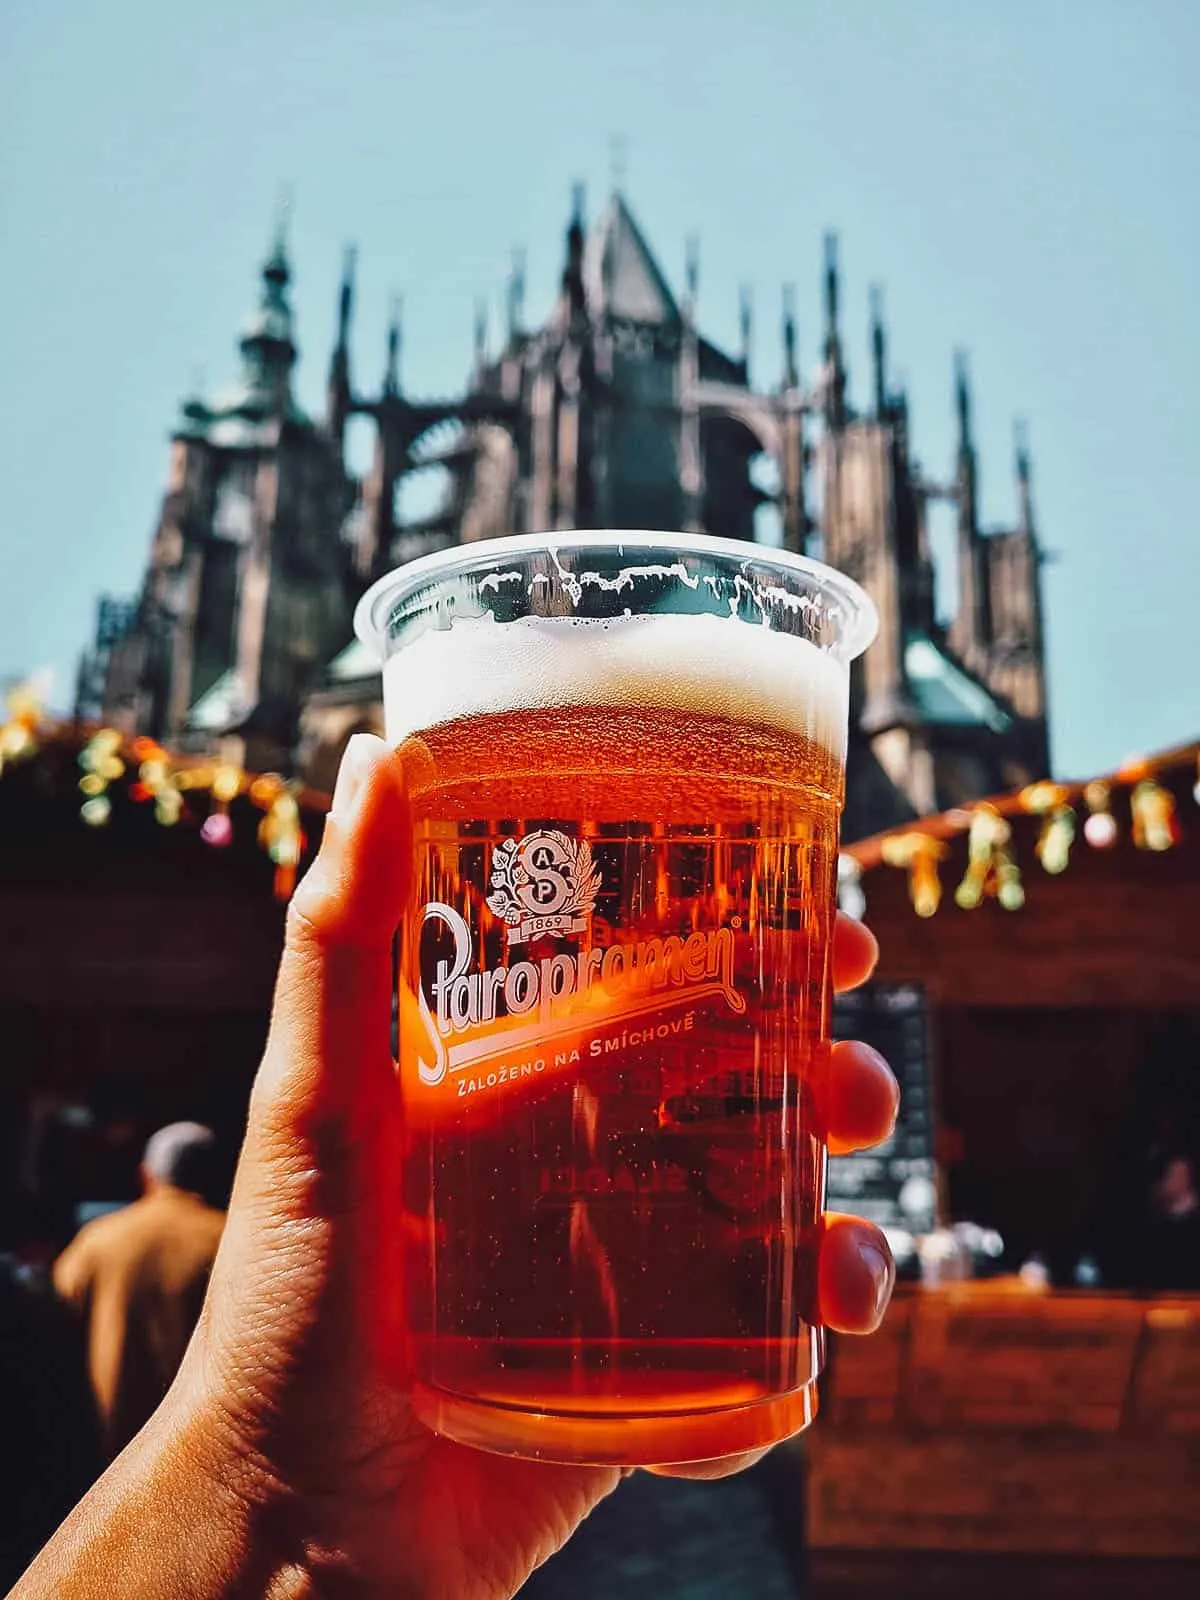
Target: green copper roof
x=219, y=707
x=944, y=692
x=245, y=413
x=355, y=661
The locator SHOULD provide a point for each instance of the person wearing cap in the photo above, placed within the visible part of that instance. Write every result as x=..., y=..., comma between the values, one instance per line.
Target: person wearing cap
x=138, y=1277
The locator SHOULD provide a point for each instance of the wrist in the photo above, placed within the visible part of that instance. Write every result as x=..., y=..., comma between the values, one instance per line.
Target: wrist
x=178, y=1516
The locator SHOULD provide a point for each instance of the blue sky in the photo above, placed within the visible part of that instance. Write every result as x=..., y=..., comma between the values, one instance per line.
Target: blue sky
x=1020, y=178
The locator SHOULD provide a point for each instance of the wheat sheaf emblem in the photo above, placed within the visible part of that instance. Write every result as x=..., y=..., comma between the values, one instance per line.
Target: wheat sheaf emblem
x=571, y=867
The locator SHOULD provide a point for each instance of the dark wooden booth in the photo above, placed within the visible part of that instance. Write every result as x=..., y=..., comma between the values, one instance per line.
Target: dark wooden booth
x=136, y=970
x=1065, y=1044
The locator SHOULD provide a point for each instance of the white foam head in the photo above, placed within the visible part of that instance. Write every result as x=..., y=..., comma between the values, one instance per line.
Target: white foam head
x=706, y=664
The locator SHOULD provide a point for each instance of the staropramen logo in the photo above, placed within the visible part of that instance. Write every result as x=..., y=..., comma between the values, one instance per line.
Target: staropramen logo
x=592, y=999
x=543, y=883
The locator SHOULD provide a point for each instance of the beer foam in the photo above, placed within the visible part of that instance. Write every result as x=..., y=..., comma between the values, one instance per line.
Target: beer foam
x=705, y=664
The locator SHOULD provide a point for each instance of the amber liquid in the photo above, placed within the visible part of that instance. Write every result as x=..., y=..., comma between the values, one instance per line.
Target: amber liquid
x=613, y=1228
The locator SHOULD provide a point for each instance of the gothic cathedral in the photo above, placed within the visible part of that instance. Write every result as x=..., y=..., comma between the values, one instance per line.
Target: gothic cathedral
x=615, y=412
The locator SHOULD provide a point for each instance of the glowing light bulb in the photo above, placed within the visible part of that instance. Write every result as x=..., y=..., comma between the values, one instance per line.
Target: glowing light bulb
x=1100, y=830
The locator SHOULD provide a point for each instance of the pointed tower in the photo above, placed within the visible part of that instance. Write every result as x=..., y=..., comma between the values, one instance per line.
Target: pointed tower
x=746, y=328
x=338, y=397
x=835, y=368
x=1016, y=664
x=878, y=352
x=377, y=526
x=572, y=279
x=244, y=594
x=791, y=455
x=391, y=369
x=515, y=297
x=267, y=342
x=969, y=632
x=691, y=461
x=791, y=369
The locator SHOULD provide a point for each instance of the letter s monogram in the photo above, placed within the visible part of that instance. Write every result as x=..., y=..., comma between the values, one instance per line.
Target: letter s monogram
x=546, y=864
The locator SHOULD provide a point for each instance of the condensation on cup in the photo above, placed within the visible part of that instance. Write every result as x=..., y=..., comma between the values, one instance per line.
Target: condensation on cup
x=626, y=758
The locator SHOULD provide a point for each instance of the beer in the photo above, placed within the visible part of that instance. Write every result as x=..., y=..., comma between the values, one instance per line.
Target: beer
x=614, y=1017
x=625, y=755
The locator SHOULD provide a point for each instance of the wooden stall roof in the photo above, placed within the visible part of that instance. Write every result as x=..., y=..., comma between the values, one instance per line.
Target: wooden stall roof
x=133, y=914
x=1117, y=926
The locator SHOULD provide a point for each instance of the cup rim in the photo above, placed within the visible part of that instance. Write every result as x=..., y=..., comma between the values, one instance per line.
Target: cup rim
x=862, y=614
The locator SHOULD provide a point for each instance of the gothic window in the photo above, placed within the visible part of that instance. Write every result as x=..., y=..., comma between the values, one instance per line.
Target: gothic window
x=629, y=339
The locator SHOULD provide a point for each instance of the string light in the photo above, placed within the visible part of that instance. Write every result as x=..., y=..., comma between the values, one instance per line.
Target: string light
x=280, y=834
x=1043, y=796
x=168, y=806
x=101, y=765
x=18, y=733
x=96, y=811
x=1054, y=842
x=1100, y=829
x=1153, y=811
x=920, y=853
x=217, y=830
x=991, y=868
x=151, y=776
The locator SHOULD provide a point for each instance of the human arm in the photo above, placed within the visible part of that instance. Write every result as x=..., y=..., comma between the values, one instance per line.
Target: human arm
x=285, y=1462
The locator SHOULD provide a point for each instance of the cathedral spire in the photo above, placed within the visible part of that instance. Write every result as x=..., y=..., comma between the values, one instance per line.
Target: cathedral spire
x=267, y=341
x=835, y=372
x=746, y=326
x=618, y=163
x=878, y=350
x=480, y=333
x=572, y=279
x=337, y=402
x=391, y=376
x=972, y=631
x=276, y=268
x=691, y=455
x=962, y=403
x=791, y=372
x=516, y=295
x=1024, y=472
x=692, y=271
x=346, y=296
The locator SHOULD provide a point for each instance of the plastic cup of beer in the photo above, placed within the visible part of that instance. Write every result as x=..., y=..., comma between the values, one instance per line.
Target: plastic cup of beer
x=626, y=755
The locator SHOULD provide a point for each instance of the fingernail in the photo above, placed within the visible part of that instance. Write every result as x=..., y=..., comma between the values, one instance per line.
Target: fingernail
x=895, y=1098
x=357, y=760
x=882, y=1271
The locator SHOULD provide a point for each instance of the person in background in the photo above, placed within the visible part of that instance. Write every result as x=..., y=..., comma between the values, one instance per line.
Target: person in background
x=137, y=1278
x=1170, y=1254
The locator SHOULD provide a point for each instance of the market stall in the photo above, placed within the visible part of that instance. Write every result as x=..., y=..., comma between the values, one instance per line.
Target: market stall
x=141, y=912
x=1052, y=934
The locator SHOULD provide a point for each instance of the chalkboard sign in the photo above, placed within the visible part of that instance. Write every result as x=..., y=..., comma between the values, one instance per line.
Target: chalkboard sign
x=895, y=1184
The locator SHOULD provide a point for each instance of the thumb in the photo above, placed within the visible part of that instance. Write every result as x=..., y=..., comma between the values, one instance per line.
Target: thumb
x=326, y=1088
x=322, y=1149
x=309, y=1267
